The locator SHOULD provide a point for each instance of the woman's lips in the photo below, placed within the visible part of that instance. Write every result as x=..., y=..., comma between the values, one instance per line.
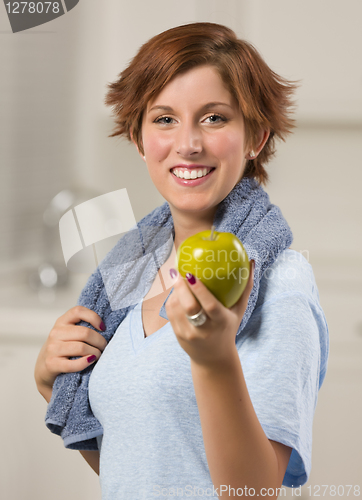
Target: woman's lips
x=194, y=170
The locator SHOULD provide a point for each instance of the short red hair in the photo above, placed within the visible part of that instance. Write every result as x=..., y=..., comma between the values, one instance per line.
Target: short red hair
x=263, y=96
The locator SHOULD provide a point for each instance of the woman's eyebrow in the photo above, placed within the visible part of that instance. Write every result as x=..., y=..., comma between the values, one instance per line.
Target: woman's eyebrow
x=213, y=104
x=161, y=108
x=203, y=108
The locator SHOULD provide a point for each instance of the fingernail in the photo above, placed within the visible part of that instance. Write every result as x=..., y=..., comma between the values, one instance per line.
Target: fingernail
x=173, y=273
x=92, y=358
x=190, y=278
x=102, y=326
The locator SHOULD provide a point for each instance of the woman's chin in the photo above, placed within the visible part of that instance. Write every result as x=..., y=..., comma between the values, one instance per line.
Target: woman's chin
x=196, y=210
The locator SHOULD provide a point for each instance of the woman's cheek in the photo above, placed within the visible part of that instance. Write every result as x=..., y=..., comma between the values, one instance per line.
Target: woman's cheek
x=156, y=147
x=232, y=145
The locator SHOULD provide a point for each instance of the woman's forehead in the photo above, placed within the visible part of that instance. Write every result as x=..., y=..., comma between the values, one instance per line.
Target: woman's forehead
x=203, y=83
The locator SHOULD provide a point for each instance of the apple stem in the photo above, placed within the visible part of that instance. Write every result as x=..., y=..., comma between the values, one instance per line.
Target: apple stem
x=212, y=232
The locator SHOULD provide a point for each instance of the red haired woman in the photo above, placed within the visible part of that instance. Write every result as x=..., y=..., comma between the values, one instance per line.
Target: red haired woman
x=221, y=405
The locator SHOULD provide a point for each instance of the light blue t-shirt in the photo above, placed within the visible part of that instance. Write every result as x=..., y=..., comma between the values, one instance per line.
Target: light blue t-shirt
x=142, y=393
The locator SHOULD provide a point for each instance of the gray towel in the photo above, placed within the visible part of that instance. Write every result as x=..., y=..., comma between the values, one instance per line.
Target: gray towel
x=126, y=274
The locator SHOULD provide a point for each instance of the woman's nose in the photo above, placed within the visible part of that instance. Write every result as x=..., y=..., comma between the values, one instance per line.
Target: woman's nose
x=188, y=140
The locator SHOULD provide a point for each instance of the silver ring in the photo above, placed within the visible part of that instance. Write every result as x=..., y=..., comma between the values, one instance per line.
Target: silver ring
x=197, y=319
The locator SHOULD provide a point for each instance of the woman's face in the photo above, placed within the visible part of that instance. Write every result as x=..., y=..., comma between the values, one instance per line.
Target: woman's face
x=193, y=137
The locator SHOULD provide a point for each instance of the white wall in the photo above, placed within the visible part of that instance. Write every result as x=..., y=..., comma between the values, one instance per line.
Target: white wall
x=54, y=131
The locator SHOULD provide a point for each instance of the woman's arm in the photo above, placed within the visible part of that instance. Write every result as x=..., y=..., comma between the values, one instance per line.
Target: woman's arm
x=67, y=340
x=238, y=452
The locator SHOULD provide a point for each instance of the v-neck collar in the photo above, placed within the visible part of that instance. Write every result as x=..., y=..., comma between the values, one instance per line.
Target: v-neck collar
x=139, y=341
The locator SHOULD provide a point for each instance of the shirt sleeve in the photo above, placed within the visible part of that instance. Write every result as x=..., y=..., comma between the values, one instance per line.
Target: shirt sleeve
x=283, y=354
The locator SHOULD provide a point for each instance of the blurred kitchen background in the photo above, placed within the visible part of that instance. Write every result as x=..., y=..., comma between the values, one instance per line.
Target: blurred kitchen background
x=53, y=139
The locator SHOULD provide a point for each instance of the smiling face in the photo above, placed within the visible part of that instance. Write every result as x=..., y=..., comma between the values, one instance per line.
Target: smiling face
x=193, y=137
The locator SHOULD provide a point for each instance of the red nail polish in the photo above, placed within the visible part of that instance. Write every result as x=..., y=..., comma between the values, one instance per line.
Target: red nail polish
x=190, y=278
x=102, y=326
x=92, y=358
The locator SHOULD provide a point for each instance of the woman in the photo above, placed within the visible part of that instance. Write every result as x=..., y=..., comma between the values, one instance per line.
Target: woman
x=221, y=405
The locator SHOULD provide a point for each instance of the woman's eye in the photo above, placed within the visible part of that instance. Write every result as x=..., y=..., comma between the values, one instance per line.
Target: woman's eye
x=166, y=120
x=215, y=119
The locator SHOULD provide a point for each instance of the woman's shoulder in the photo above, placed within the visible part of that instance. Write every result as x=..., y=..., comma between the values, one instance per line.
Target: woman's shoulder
x=291, y=274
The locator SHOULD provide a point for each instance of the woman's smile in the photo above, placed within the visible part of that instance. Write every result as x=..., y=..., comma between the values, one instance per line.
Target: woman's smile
x=192, y=175
x=191, y=171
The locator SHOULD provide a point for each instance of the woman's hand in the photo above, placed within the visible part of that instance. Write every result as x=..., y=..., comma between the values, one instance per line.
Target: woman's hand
x=65, y=340
x=214, y=341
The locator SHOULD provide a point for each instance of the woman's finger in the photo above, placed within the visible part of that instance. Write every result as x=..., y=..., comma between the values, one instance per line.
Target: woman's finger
x=80, y=313
x=66, y=365
x=71, y=348
x=193, y=295
x=69, y=332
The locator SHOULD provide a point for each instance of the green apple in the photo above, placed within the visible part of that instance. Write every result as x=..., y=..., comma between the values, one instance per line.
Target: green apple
x=217, y=259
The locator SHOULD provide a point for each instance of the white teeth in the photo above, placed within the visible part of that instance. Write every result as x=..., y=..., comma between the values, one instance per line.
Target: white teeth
x=194, y=174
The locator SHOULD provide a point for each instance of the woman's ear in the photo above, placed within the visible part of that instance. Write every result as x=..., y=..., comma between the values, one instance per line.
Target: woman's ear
x=263, y=136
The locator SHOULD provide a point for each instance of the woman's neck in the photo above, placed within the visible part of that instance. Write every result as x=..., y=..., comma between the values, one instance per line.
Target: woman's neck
x=188, y=224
